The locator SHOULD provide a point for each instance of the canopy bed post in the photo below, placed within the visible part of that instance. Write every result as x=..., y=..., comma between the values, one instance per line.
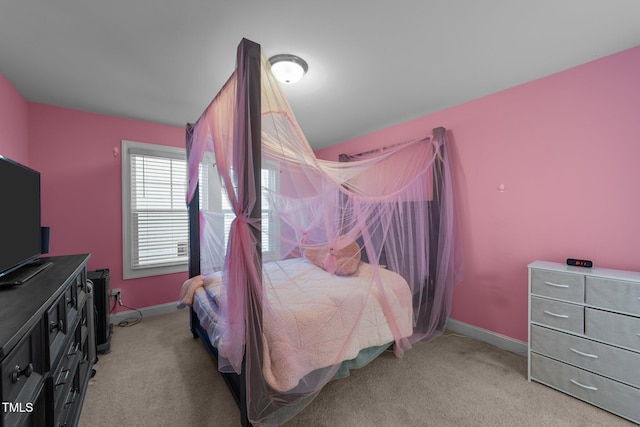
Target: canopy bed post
x=249, y=103
x=439, y=139
x=428, y=297
x=250, y=52
x=193, y=208
x=439, y=135
x=247, y=154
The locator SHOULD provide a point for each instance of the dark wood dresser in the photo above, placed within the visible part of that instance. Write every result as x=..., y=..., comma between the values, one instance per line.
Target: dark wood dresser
x=45, y=345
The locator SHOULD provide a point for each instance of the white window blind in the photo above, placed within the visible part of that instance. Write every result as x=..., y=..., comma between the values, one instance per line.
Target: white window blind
x=155, y=219
x=159, y=214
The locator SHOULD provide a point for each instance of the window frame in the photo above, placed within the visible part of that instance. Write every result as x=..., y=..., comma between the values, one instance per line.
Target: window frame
x=163, y=151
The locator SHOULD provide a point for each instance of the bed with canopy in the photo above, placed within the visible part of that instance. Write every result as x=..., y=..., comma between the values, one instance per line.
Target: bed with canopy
x=301, y=268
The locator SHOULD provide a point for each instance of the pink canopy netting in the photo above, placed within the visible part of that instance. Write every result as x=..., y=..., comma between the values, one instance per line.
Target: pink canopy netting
x=315, y=266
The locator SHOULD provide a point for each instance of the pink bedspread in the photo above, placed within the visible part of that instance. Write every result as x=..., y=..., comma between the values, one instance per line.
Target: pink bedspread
x=312, y=313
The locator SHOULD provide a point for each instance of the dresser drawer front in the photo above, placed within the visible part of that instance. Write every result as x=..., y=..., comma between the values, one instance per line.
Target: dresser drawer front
x=612, y=362
x=569, y=317
x=81, y=285
x=613, y=328
x=22, y=369
x=63, y=375
x=56, y=329
x=71, y=303
x=554, y=284
x=613, y=294
x=66, y=384
x=71, y=403
x=608, y=394
x=25, y=417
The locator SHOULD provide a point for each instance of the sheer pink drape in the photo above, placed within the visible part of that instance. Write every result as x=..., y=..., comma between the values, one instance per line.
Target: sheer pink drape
x=297, y=334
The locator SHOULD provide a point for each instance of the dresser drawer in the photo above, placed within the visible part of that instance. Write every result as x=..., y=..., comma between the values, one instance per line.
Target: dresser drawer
x=555, y=284
x=25, y=417
x=69, y=405
x=71, y=302
x=608, y=394
x=22, y=370
x=615, y=295
x=562, y=315
x=67, y=385
x=56, y=328
x=613, y=328
x=64, y=373
x=81, y=286
x=612, y=362
x=65, y=378
x=84, y=368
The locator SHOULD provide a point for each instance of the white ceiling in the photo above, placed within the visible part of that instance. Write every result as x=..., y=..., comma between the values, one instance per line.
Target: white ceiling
x=372, y=63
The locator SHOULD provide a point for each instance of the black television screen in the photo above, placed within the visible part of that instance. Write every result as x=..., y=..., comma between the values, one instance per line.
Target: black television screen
x=20, y=238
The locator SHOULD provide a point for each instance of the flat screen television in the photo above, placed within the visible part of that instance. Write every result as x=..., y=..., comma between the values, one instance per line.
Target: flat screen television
x=20, y=235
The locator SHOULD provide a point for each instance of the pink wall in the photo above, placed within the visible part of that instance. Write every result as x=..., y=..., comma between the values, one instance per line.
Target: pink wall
x=566, y=149
x=82, y=187
x=14, y=123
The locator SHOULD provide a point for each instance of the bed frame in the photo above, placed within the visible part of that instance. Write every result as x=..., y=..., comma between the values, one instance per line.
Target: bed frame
x=248, y=73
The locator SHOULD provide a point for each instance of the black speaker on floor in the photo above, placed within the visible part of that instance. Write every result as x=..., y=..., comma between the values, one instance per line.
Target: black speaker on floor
x=101, y=288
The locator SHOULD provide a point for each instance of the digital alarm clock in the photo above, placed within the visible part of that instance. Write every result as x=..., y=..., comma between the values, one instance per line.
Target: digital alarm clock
x=579, y=262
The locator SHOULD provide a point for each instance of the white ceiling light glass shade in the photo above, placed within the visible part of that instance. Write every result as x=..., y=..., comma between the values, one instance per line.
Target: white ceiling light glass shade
x=288, y=69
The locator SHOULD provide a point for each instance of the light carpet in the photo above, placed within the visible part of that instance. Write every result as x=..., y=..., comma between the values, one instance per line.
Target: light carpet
x=157, y=374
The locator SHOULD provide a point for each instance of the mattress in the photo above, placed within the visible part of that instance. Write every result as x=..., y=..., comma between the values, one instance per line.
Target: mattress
x=314, y=319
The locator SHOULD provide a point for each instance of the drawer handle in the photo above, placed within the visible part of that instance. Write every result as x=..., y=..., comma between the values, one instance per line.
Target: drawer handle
x=18, y=372
x=562, y=316
x=75, y=347
x=556, y=285
x=70, y=400
x=61, y=380
x=593, y=356
x=588, y=387
x=53, y=325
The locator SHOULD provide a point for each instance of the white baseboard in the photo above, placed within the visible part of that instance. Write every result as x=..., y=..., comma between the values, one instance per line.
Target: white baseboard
x=509, y=344
x=153, y=310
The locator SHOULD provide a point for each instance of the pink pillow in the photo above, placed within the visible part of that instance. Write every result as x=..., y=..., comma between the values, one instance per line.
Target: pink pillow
x=342, y=262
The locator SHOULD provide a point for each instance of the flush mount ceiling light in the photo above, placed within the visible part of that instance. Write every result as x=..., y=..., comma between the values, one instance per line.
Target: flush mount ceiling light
x=288, y=68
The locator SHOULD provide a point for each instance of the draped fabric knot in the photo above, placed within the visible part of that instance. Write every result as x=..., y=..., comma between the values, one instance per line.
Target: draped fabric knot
x=236, y=282
x=243, y=219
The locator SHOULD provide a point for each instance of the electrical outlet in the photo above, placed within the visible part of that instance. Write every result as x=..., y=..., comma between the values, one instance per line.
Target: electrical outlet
x=116, y=293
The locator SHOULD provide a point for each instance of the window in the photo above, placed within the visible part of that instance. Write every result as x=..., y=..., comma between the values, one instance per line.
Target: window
x=269, y=183
x=155, y=219
x=269, y=222
x=155, y=224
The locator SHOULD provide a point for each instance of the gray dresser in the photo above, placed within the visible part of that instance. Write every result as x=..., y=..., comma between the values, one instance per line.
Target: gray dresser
x=584, y=334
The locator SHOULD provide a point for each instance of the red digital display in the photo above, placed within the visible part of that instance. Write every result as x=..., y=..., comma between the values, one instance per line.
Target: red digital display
x=579, y=262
